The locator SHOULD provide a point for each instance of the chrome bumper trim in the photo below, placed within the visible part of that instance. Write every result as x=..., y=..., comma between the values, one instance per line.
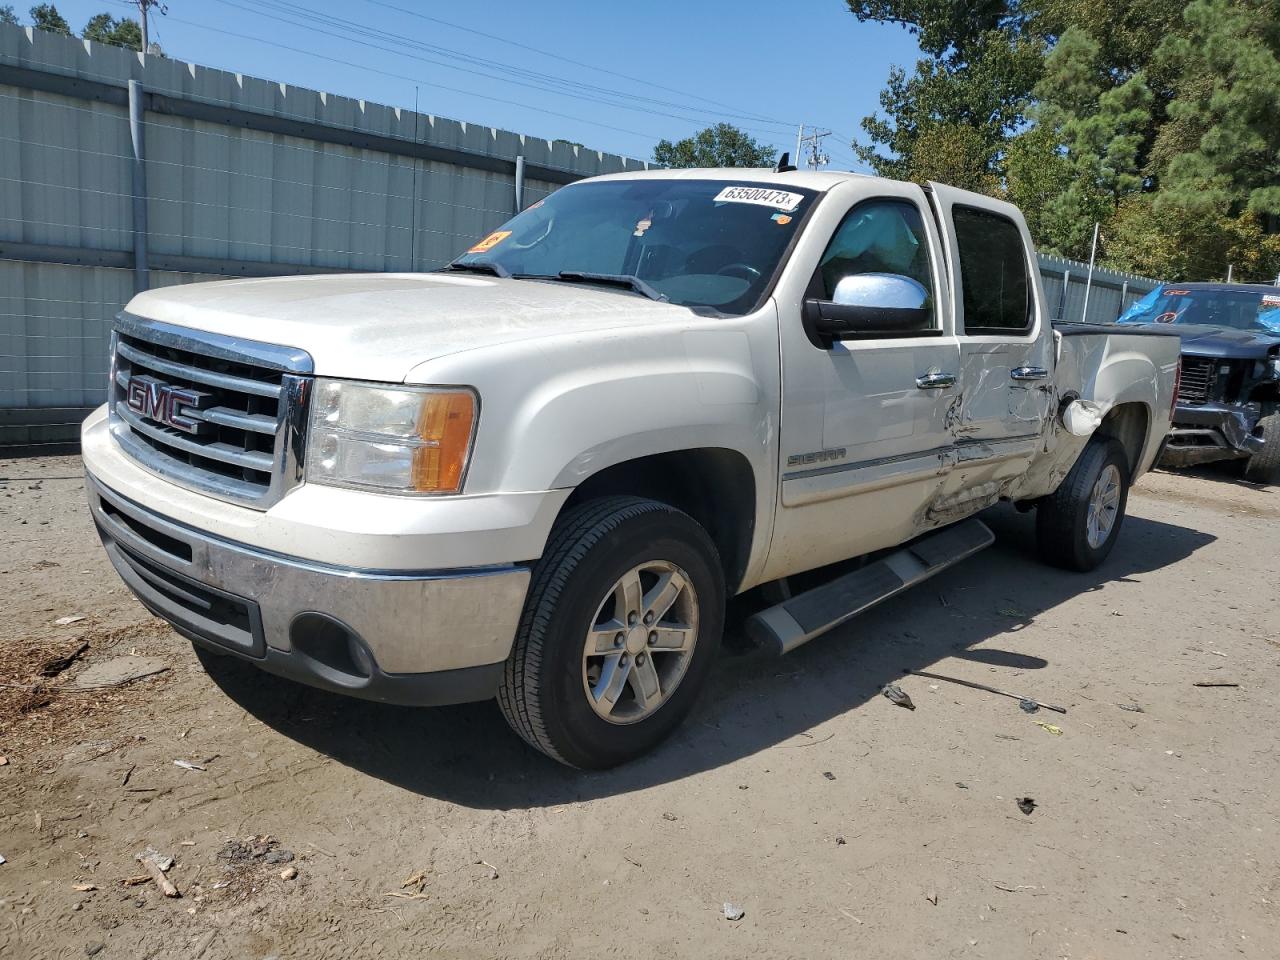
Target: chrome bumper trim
x=413, y=621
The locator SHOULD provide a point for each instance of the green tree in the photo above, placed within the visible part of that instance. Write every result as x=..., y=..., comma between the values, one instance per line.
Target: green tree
x=983, y=60
x=723, y=145
x=104, y=28
x=45, y=16
x=1225, y=115
x=7, y=15
x=1099, y=127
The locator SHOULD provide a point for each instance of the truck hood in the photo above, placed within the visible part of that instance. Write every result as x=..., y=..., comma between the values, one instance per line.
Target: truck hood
x=380, y=326
x=1225, y=342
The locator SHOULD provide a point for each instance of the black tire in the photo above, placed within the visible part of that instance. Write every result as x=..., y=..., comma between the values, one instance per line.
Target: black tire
x=1264, y=466
x=1062, y=517
x=590, y=548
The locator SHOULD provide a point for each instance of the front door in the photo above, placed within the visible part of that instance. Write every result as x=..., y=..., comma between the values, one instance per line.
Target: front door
x=864, y=438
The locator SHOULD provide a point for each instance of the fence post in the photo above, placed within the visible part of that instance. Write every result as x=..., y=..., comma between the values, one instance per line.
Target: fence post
x=519, y=183
x=1124, y=293
x=1062, y=300
x=141, y=278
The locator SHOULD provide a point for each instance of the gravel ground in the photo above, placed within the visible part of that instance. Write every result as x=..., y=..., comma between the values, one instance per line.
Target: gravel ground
x=840, y=824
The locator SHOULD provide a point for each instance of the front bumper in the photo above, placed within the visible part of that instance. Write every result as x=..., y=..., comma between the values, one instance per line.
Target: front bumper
x=424, y=637
x=1206, y=432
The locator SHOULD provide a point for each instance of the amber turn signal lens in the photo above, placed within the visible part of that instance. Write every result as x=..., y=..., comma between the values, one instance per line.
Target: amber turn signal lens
x=445, y=426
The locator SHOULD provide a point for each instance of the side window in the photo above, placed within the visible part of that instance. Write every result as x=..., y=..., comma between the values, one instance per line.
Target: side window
x=879, y=236
x=993, y=272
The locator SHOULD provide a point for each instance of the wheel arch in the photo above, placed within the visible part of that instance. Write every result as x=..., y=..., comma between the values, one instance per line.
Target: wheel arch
x=716, y=486
x=1129, y=423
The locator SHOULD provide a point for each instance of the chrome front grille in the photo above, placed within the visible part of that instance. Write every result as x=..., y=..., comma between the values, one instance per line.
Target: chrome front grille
x=216, y=414
x=1197, y=379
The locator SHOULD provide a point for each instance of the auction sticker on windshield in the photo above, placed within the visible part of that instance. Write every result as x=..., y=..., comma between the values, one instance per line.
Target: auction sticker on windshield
x=491, y=241
x=778, y=199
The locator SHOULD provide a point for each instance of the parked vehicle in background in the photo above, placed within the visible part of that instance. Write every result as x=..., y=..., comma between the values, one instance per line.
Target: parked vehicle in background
x=1229, y=398
x=539, y=473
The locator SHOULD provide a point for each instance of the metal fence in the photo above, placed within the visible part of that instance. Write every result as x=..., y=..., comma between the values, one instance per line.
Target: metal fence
x=119, y=173
x=1075, y=293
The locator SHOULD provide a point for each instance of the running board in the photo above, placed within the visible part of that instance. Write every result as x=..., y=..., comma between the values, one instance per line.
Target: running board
x=789, y=624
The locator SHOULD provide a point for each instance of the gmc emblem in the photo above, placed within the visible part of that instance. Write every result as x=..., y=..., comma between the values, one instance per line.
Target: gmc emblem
x=164, y=403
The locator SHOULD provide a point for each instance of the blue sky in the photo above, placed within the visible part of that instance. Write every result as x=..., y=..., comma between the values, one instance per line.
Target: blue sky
x=763, y=66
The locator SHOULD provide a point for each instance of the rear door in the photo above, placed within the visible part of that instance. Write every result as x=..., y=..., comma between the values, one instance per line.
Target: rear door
x=1006, y=346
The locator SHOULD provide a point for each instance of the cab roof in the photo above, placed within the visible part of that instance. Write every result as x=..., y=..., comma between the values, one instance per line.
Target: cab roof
x=820, y=180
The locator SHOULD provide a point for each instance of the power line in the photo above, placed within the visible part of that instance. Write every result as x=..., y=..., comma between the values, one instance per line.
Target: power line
x=563, y=59
x=292, y=15
x=651, y=138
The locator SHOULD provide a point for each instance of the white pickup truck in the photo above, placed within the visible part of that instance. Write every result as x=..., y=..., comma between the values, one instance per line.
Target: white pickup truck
x=540, y=472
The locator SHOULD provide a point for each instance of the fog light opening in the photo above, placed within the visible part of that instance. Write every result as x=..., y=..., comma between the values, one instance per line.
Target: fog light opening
x=332, y=645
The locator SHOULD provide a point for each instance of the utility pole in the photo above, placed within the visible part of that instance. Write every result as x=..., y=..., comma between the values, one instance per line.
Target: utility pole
x=799, y=140
x=817, y=159
x=143, y=7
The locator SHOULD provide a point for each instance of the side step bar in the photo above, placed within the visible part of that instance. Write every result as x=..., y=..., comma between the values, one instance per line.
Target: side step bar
x=789, y=624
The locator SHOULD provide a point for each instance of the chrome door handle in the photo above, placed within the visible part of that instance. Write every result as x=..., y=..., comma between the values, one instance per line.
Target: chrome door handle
x=936, y=381
x=1028, y=373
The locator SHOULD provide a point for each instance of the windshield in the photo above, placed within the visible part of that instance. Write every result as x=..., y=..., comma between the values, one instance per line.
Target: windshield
x=1242, y=309
x=696, y=243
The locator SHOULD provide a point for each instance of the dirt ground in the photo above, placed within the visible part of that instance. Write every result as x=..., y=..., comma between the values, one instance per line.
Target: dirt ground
x=840, y=823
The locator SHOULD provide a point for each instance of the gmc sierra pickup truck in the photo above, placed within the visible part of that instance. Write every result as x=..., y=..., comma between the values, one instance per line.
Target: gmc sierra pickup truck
x=538, y=473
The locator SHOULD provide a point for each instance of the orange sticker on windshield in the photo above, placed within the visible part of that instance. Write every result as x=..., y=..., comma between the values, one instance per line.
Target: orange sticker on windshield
x=491, y=241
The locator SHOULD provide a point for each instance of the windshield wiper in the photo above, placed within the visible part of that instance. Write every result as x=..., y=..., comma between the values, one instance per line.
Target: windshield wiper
x=613, y=280
x=482, y=266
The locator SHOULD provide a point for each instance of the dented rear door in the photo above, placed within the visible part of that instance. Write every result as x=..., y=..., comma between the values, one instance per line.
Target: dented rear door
x=1006, y=350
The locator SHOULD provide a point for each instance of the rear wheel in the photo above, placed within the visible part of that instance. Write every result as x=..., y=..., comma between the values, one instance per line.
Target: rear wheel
x=619, y=631
x=1264, y=466
x=1077, y=525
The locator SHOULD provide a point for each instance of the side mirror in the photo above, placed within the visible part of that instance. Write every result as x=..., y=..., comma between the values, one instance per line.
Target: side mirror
x=870, y=305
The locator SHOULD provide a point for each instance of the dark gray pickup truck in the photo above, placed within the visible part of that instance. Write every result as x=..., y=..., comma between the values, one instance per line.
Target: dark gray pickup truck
x=1229, y=394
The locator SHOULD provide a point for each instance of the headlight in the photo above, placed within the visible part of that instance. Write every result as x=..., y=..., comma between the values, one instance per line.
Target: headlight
x=412, y=440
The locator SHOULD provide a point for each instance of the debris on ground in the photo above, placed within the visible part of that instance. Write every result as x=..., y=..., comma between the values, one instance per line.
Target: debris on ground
x=289, y=873
x=989, y=689
x=4, y=761
x=493, y=871
x=962, y=785
x=157, y=874
x=1028, y=706
x=670, y=816
x=53, y=667
x=66, y=621
x=932, y=898
x=1049, y=727
x=733, y=912
x=895, y=694
x=1025, y=804
x=84, y=887
x=840, y=841
x=262, y=849
x=188, y=765
x=1131, y=707
x=1215, y=683
x=417, y=880
x=828, y=774
x=117, y=671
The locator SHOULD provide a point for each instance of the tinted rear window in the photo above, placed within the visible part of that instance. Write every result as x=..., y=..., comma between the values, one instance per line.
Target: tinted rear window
x=993, y=272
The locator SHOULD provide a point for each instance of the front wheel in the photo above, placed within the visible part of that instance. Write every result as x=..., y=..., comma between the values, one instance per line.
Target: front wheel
x=622, y=623
x=1264, y=466
x=1077, y=525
